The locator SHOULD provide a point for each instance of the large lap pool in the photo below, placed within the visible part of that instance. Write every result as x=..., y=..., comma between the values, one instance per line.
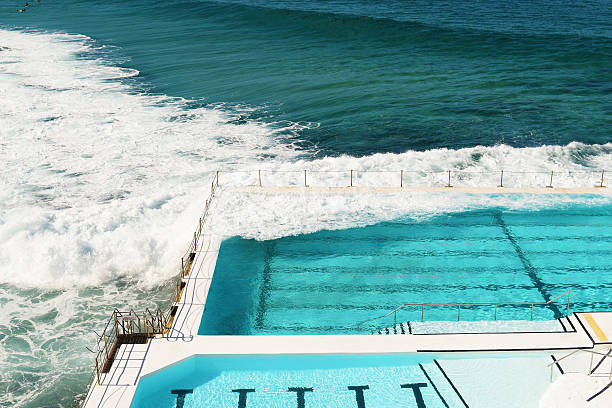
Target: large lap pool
x=330, y=281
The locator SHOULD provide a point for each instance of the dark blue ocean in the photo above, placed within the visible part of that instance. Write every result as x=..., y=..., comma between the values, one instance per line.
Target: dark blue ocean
x=373, y=76
x=114, y=116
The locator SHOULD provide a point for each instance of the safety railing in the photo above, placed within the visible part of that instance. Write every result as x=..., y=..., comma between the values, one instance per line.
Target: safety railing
x=134, y=328
x=420, y=178
x=495, y=306
x=591, y=370
x=126, y=328
x=189, y=254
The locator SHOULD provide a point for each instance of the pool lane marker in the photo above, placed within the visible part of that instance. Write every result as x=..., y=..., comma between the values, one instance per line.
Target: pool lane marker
x=433, y=385
x=595, y=327
x=529, y=268
x=451, y=383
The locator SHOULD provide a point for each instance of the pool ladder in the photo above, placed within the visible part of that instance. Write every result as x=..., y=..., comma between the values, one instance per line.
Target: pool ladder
x=460, y=305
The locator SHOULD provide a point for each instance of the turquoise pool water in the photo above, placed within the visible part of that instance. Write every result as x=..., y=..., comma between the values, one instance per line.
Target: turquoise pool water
x=376, y=381
x=331, y=281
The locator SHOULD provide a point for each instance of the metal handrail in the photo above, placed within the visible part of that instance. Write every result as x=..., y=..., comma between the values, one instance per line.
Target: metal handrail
x=448, y=179
x=590, y=370
x=459, y=305
x=148, y=323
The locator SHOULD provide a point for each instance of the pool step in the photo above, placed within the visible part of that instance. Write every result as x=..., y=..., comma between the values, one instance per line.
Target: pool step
x=400, y=328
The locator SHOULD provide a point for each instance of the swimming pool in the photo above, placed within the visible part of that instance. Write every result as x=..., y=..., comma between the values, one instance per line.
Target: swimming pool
x=331, y=281
x=361, y=381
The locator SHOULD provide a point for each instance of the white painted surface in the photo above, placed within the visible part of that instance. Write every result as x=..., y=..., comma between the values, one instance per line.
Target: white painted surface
x=386, y=190
x=572, y=390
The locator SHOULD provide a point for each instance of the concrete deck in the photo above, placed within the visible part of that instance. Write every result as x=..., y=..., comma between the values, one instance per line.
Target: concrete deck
x=390, y=190
x=136, y=361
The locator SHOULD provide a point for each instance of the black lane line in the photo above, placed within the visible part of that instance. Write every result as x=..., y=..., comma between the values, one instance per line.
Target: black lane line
x=557, y=364
x=264, y=291
x=531, y=272
x=600, y=392
x=569, y=320
x=601, y=361
x=434, y=386
x=562, y=325
x=451, y=383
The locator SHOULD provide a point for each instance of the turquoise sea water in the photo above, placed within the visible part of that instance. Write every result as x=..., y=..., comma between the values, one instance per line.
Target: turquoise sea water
x=115, y=114
x=330, y=282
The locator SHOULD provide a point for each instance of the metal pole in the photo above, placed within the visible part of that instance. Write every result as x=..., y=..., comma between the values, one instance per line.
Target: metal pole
x=217, y=177
x=395, y=318
x=422, y=311
x=200, y=225
x=259, y=171
x=551, y=370
x=105, y=345
x=449, y=184
x=459, y=312
x=568, y=302
x=195, y=242
x=551, y=176
x=351, y=178
x=97, y=371
x=501, y=179
x=496, y=311
x=305, y=184
x=602, y=179
x=532, y=311
x=401, y=178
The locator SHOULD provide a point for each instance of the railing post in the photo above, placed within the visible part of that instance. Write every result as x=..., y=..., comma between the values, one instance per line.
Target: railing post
x=195, y=242
x=422, y=311
x=351, y=178
x=97, y=371
x=395, y=318
x=182, y=266
x=401, y=178
x=105, y=345
x=217, y=178
x=259, y=172
x=532, y=311
x=551, y=177
x=496, y=311
x=200, y=225
x=501, y=179
x=602, y=180
x=568, y=303
x=459, y=312
x=551, y=370
x=305, y=184
x=449, y=178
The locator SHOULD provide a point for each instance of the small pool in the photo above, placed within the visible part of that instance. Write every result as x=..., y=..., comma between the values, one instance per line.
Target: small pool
x=346, y=381
x=331, y=281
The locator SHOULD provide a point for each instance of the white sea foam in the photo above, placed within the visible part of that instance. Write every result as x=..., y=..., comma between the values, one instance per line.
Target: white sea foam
x=102, y=180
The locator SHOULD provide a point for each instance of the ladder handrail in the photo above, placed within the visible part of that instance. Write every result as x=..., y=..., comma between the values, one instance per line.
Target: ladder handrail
x=459, y=304
x=577, y=350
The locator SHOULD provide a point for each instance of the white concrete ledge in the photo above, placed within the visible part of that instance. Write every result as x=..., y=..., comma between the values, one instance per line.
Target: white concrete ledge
x=389, y=190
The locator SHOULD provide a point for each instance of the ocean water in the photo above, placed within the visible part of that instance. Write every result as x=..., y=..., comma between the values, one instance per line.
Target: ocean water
x=114, y=116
